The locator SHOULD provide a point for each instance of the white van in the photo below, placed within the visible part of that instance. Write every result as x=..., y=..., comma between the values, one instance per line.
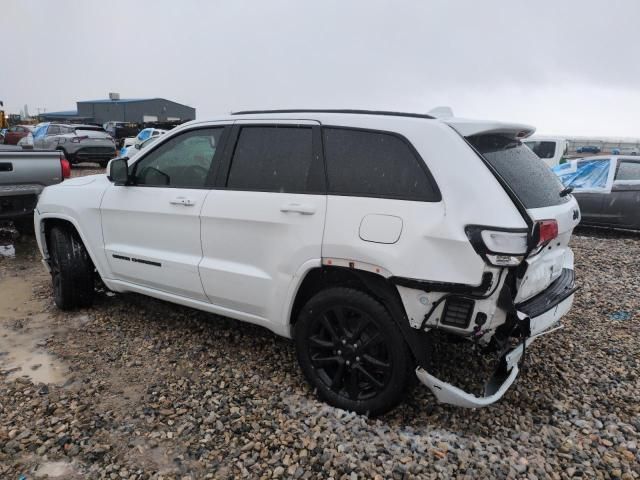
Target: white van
x=549, y=149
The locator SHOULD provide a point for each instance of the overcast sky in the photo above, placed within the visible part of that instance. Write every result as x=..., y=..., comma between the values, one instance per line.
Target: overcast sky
x=567, y=67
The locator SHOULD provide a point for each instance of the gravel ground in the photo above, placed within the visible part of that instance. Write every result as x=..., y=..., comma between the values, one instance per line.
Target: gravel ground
x=147, y=389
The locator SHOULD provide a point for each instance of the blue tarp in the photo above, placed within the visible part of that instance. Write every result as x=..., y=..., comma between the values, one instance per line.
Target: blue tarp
x=584, y=174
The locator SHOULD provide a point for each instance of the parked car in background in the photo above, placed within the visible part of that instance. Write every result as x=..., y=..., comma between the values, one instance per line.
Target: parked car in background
x=23, y=176
x=80, y=143
x=606, y=188
x=143, y=135
x=625, y=151
x=330, y=227
x=15, y=133
x=120, y=131
x=588, y=149
x=551, y=150
x=134, y=149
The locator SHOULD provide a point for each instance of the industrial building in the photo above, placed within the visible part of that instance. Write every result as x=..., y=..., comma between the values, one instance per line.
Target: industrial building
x=133, y=110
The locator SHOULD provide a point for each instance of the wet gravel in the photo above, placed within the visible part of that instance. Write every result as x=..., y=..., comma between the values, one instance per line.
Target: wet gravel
x=154, y=390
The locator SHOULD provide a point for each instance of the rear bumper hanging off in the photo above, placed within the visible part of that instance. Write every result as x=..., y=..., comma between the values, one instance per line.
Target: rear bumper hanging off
x=548, y=308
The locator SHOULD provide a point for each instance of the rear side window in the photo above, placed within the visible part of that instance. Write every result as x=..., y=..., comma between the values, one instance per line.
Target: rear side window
x=628, y=171
x=375, y=164
x=274, y=159
x=532, y=181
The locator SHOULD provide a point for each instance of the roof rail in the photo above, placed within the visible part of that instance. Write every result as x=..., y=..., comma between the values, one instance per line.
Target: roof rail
x=315, y=110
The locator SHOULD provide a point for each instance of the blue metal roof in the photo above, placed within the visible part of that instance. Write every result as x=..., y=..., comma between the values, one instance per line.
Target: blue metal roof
x=122, y=100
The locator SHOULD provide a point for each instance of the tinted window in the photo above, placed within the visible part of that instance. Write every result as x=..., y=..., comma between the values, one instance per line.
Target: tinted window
x=53, y=130
x=274, y=159
x=628, y=171
x=183, y=161
x=374, y=164
x=530, y=178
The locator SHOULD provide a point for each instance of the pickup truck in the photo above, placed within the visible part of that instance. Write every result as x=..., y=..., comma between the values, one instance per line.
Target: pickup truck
x=23, y=176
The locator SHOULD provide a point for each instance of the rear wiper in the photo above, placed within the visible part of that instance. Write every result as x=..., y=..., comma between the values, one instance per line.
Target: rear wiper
x=566, y=191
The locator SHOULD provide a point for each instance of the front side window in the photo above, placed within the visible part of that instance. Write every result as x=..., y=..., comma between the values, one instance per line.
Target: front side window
x=628, y=172
x=274, y=159
x=375, y=164
x=183, y=161
x=53, y=130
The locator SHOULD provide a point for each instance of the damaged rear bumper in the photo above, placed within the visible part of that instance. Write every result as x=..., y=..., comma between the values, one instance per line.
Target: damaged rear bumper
x=543, y=314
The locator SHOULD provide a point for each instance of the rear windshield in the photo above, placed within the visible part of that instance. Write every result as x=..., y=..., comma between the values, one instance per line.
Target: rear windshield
x=532, y=181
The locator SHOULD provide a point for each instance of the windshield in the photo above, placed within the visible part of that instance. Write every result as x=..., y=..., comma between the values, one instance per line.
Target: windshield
x=529, y=178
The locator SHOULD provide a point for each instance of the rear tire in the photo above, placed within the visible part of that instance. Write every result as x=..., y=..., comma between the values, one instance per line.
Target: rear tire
x=352, y=352
x=71, y=270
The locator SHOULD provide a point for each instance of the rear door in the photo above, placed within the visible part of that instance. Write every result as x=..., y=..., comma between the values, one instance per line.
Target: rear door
x=591, y=180
x=623, y=204
x=264, y=221
x=151, y=228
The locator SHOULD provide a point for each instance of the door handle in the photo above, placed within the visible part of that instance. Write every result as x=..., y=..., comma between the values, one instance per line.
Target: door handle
x=186, y=202
x=302, y=208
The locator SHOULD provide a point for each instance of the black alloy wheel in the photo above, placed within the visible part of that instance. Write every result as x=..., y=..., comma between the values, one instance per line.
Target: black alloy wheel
x=352, y=351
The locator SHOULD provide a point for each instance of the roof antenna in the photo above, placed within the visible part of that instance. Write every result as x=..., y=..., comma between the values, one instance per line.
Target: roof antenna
x=441, y=112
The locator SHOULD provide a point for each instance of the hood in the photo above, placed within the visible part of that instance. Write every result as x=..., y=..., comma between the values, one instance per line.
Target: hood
x=81, y=181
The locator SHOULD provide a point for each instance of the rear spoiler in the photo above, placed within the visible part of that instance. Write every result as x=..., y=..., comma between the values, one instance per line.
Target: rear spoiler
x=468, y=128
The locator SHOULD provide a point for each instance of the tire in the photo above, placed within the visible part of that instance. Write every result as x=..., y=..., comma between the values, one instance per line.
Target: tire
x=71, y=270
x=24, y=225
x=352, y=352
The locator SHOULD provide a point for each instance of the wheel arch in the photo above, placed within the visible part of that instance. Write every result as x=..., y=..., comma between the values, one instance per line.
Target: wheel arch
x=319, y=278
x=47, y=222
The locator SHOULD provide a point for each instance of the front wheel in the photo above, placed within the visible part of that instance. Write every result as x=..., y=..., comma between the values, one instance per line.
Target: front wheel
x=71, y=270
x=352, y=352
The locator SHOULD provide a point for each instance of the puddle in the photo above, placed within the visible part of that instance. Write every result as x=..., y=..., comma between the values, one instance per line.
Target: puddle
x=23, y=335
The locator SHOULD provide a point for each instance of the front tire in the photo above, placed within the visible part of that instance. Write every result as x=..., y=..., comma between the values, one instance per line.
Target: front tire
x=352, y=352
x=71, y=270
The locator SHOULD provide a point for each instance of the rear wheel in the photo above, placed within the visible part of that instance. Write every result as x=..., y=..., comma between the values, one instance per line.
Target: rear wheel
x=71, y=270
x=352, y=352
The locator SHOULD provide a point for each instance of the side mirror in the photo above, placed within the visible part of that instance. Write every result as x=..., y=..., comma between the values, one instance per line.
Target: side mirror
x=119, y=171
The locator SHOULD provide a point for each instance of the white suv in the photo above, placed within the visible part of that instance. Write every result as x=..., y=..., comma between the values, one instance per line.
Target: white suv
x=353, y=232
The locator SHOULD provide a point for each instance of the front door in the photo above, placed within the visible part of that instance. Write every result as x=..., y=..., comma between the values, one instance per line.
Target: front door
x=624, y=201
x=151, y=228
x=265, y=219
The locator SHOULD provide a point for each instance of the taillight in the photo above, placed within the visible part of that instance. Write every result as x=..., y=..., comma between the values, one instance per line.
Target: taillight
x=499, y=246
x=65, y=167
x=546, y=230
x=79, y=139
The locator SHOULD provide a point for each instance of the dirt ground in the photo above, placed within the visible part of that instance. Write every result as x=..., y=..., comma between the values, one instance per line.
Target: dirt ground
x=138, y=388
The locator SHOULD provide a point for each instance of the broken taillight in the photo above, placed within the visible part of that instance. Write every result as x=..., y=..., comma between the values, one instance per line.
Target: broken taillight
x=499, y=246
